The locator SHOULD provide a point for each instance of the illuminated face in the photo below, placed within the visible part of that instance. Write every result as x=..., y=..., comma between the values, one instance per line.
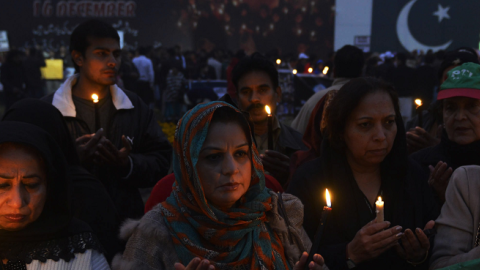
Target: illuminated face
x=101, y=61
x=224, y=165
x=23, y=188
x=461, y=117
x=370, y=130
x=255, y=90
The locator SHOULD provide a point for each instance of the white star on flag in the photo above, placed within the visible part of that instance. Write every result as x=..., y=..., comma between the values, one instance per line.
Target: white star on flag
x=442, y=13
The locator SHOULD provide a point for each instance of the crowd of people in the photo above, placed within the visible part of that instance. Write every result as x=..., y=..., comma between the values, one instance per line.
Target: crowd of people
x=239, y=188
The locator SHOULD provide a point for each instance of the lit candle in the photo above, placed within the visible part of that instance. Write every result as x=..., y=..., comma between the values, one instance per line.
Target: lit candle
x=419, y=108
x=379, y=206
x=279, y=61
x=97, y=114
x=270, y=127
x=318, y=235
x=325, y=70
x=294, y=72
x=310, y=70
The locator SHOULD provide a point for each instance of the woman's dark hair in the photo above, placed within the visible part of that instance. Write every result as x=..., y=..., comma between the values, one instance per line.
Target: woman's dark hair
x=228, y=115
x=347, y=99
x=90, y=29
x=348, y=62
x=345, y=102
x=255, y=62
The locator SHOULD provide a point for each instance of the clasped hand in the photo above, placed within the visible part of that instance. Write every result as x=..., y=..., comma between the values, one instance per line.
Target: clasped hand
x=97, y=148
x=374, y=239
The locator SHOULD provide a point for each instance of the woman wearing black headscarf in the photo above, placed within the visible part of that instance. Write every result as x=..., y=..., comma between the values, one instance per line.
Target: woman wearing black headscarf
x=91, y=202
x=37, y=230
x=364, y=156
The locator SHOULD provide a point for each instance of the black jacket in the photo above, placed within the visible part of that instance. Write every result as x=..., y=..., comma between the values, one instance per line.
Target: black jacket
x=151, y=154
x=453, y=154
x=289, y=141
x=410, y=205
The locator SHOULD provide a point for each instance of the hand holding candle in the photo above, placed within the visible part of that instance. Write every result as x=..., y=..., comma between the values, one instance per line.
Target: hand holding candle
x=379, y=206
x=270, y=127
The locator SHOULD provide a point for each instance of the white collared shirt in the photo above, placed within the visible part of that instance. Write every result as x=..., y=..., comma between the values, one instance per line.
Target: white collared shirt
x=62, y=99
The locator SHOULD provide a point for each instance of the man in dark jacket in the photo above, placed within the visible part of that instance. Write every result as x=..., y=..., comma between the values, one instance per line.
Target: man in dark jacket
x=117, y=138
x=256, y=81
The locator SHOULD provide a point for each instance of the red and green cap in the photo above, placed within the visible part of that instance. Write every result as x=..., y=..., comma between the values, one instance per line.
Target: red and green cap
x=462, y=81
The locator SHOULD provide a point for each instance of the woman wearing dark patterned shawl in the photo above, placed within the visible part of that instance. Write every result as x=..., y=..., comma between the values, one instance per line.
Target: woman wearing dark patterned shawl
x=37, y=227
x=219, y=215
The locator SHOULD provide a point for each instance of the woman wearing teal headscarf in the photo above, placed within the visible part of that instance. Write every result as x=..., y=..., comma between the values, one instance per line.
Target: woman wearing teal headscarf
x=219, y=215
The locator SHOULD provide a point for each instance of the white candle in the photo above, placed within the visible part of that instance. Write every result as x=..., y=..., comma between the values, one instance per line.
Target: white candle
x=379, y=206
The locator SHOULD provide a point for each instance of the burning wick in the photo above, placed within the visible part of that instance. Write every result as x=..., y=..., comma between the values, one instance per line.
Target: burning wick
x=327, y=196
x=270, y=127
x=419, y=109
x=379, y=205
x=325, y=70
x=418, y=102
x=318, y=235
x=95, y=98
x=97, y=113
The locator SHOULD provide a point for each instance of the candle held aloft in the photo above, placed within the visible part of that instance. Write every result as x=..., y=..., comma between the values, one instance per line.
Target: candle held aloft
x=318, y=235
x=379, y=207
x=97, y=114
x=419, y=109
x=270, y=127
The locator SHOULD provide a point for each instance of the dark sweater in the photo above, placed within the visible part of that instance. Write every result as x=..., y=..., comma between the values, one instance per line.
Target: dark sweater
x=410, y=206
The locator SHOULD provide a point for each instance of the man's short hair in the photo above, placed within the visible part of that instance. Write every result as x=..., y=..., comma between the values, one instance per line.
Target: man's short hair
x=90, y=29
x=348, y=62
x=255, y=62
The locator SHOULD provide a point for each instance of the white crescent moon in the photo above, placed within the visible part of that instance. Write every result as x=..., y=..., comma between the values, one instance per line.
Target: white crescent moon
x=405, y=36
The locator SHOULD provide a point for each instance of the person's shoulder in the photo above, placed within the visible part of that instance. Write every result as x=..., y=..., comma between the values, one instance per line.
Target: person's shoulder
x=291, y=130
x=48, y=98
x=137, y=102
x=307, y=171
x=467, y=176
x=151, y=225
x=291, y=138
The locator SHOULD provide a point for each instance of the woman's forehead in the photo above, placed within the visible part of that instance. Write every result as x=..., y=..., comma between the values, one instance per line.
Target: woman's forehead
x=378, y=104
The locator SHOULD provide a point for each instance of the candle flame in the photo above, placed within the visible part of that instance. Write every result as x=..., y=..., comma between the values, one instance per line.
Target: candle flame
x=325, y=70
x=294, y=72
x=279, y=61
x=327, y=195
x=418, y=102
x=95, y=98
x=267, y=108
x=310, y=70
x=379, y=199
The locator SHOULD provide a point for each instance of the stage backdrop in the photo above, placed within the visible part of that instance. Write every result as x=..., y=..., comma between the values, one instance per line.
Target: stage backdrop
x=399, y=25
x=250, y=24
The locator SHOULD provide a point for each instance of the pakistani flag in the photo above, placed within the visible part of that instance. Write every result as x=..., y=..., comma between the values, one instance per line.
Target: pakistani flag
x=407, y=25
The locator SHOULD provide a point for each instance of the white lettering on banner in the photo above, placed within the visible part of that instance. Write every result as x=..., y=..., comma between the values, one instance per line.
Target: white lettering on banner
x=83, y=8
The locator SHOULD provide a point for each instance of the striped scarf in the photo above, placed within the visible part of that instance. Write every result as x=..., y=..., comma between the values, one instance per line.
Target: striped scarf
x=238, y=239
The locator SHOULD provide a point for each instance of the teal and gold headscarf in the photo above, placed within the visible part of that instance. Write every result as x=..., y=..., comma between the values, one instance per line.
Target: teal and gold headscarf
x=238, y=239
